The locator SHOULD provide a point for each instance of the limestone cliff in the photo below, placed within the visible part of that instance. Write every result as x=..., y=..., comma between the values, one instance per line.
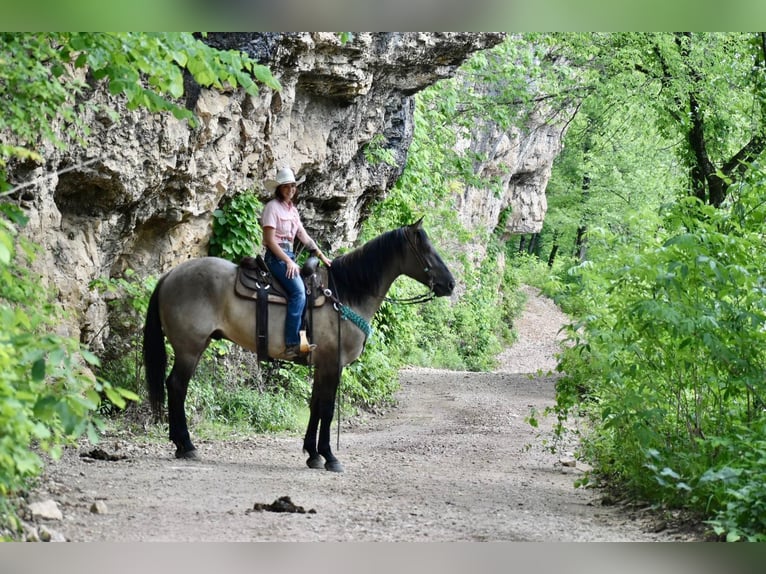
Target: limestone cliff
x=141, y=194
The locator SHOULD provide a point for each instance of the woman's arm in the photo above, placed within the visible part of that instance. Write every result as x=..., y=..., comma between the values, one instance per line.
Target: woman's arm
x=311, y=245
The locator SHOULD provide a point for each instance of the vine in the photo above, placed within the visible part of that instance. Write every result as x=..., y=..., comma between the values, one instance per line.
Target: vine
x=236, y=228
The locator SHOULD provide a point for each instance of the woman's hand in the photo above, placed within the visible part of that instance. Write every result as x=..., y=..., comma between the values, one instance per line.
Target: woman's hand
x=292, y=269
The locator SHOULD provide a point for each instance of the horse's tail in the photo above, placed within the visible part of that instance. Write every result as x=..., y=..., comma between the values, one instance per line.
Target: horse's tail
x=155, y=357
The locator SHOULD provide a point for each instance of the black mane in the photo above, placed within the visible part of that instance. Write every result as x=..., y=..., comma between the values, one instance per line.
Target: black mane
x=357, y=274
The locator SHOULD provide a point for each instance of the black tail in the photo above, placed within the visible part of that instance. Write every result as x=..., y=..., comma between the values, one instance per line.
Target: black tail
x=155, y=357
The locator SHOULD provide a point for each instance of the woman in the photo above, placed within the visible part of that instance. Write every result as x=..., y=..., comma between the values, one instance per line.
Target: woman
x=281, y=225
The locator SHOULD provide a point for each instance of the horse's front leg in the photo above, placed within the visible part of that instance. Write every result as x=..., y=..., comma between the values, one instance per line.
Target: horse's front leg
x=310, y=440
x=327, y=409
x=322, y=409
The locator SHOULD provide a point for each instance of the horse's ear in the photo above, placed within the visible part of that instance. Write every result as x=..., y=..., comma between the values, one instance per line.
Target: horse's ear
x=418, y=224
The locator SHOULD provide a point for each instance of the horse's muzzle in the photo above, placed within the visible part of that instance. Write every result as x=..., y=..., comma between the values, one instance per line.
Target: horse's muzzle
x=444, y=288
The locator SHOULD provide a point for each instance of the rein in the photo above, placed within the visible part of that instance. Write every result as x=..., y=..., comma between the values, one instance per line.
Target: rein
x=422, y=298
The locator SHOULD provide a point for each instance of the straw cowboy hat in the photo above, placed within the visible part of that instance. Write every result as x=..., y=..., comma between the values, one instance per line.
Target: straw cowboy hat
x=284, y=175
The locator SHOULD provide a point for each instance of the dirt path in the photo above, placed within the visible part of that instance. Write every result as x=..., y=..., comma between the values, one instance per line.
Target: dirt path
x=455, y=460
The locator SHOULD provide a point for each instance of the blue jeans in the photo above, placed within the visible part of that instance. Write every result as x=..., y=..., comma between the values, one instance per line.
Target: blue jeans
x=296, y=295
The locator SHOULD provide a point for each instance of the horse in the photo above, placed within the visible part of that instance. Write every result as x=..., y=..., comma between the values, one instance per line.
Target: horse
x=195, y=302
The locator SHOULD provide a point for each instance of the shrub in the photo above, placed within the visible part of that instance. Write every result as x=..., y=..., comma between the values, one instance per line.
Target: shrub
x=48, y=394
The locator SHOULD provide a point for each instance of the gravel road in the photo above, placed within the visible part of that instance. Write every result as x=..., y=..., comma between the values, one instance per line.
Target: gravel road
x=454, y=460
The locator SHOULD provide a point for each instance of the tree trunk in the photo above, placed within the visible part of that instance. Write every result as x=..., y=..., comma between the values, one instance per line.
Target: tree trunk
x=552, y=256
x=534, y=245
x=554, y=249
x=579, y=246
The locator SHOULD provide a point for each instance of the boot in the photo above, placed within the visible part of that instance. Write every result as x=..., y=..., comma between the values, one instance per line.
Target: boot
x=295, y=351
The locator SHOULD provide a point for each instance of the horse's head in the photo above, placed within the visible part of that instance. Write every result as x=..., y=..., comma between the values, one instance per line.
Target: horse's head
x=424, y=263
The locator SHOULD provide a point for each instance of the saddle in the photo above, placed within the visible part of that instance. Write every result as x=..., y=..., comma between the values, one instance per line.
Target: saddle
x=255, y=282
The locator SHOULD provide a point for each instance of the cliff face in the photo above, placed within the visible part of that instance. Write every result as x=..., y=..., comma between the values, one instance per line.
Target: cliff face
x=142, y=193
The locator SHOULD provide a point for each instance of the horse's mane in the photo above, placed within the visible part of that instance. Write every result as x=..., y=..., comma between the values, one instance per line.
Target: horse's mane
x=357, y=274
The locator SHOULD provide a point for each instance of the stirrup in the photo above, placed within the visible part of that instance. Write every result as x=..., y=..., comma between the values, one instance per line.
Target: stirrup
x=305, y=346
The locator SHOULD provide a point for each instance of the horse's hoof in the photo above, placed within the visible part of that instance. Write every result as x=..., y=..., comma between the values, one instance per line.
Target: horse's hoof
x=315, y=462
x=187, y=454
x=333, y=466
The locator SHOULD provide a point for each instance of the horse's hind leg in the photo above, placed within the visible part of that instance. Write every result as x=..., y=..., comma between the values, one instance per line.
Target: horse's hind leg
x=177, y=385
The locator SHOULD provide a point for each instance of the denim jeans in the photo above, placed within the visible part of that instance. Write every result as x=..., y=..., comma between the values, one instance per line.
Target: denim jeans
x=296, y=295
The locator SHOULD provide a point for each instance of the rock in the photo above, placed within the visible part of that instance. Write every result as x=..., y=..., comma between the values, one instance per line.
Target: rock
x=568, y=461
x=32, y=535
x=99, y=507
x=50, y=535
x=46, y=510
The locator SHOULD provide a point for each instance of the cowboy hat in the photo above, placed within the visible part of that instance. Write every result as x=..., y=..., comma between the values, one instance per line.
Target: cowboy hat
x=284, y=175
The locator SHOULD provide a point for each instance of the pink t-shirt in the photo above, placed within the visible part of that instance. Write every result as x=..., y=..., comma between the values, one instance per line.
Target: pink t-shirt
x=285, y=220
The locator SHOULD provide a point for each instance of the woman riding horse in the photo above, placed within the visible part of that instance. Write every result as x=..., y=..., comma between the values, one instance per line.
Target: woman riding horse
x=281, y=225
x=196, y=302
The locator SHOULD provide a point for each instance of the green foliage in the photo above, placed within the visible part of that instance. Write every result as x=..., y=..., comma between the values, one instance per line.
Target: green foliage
x=236, y=228
x=41, y=79
x=376, y=153
x=668, y=356
x=665, y=371
x=700, y=93
x=234, y=399
x=373, y=379
x=48, y=393
x=128, y=299
x=466, y=333
x=610, y=165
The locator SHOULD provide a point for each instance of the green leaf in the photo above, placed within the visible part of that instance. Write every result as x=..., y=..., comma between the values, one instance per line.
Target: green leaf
x=90, y=357
x=128, y=394
x=41, y=431
x=5, y=252
x=115, y=397
x=93, y=435
x=38, y=370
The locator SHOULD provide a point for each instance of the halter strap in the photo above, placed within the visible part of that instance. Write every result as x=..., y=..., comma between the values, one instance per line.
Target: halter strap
x=423, y=297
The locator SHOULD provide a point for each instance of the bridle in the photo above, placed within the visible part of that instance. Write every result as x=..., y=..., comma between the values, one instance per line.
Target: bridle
x=423, y=297
x=348, y=313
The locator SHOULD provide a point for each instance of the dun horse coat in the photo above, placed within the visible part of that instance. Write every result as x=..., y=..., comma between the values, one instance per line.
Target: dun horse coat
x=195, y=303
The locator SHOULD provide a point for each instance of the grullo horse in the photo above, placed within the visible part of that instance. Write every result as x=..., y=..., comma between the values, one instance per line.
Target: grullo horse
x=195, y=302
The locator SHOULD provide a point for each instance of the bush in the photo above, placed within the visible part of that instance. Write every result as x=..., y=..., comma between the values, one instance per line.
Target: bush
x=668, y=363
x=236, y=228
x=48, y=394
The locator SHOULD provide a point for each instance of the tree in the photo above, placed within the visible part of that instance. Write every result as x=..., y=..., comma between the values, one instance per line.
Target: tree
x=712, y=92
x=707, y=91
x=665, y=357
